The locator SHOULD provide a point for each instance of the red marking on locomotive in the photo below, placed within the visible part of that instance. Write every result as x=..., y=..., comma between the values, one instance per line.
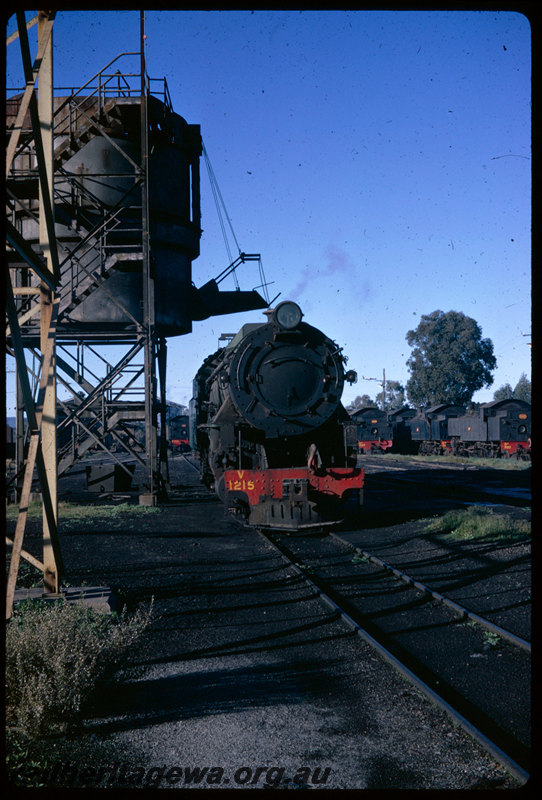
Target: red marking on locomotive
x=515, y=447
x=268, y=482
x=371, y=444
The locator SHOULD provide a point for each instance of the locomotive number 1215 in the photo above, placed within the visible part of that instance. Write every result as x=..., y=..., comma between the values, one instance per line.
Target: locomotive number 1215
x=240, y=484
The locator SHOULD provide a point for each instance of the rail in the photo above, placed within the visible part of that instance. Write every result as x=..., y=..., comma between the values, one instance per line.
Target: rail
x=506, y=746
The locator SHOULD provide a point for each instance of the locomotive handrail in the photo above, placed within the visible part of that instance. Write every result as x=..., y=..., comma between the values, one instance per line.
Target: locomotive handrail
x=242, y=257
x=99, y=73
x=274, y=362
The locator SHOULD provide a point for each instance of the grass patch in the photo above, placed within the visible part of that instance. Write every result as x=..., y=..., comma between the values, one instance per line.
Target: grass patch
x=61, y=762
x=28, y=576
x=472, y=461
x=73, y=516
x=56, y=654
x=477, y=522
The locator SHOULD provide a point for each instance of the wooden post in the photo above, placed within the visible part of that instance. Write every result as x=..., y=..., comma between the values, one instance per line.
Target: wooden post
x=48, y=425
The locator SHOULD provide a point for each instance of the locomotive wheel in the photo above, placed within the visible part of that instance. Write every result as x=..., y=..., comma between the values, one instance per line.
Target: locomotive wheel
x=220, y=488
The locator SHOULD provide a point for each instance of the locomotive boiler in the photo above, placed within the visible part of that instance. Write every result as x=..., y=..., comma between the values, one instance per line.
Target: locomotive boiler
x=270, y=429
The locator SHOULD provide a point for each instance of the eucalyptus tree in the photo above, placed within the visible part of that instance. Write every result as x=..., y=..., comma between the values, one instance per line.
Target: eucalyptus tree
x=450, y=359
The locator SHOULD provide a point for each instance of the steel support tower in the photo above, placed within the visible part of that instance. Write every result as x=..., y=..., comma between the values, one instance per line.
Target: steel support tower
x=103, y=223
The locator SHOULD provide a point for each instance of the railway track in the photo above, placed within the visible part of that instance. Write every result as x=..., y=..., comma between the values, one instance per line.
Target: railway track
x=457, y=608
x=191, y=489
x=479, y=673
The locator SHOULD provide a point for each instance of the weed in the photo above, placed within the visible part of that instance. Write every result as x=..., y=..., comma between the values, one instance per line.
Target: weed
x=56, y=653
x=306, y=568
x=24, y=767
x=492, y=639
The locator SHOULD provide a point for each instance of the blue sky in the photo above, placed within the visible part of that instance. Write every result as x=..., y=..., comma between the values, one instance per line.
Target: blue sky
x=380, y=162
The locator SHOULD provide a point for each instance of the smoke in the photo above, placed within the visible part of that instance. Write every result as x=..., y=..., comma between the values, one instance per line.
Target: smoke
x=337, y=263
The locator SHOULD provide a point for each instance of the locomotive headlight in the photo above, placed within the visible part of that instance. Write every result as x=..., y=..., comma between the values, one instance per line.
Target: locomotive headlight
x=351, y=376
x=287, y=315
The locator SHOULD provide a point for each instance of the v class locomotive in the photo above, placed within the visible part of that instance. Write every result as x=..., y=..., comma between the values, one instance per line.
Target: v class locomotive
x=269, y=427
x=499, y=429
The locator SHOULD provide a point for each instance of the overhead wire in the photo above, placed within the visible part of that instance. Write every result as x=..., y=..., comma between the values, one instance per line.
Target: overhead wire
x=225, y=223
x=221, y=212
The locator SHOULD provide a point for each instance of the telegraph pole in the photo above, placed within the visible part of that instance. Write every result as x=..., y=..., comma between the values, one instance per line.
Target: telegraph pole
x=382, y=384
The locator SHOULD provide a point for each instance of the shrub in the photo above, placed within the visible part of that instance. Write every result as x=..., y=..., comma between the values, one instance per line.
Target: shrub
x=56, y=653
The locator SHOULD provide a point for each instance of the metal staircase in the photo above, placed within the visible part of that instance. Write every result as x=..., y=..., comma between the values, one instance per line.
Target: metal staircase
x=96, y=240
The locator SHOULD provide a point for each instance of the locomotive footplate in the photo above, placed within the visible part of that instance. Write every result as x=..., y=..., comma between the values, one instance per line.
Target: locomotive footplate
x=293, y=498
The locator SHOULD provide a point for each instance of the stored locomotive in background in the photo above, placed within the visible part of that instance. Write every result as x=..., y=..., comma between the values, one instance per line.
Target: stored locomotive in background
x=269, y=426
x=374, y=432
x=499, y=429
x=179, y=438
x=429, y=429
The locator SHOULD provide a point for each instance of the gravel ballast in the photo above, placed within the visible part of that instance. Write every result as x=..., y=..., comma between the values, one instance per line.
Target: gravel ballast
x=245, y=679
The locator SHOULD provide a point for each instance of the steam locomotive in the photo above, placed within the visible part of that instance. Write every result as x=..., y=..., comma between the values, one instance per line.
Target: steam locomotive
x=499, y=429
x=269, y=427
x=178, y=434
x=374, y=431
